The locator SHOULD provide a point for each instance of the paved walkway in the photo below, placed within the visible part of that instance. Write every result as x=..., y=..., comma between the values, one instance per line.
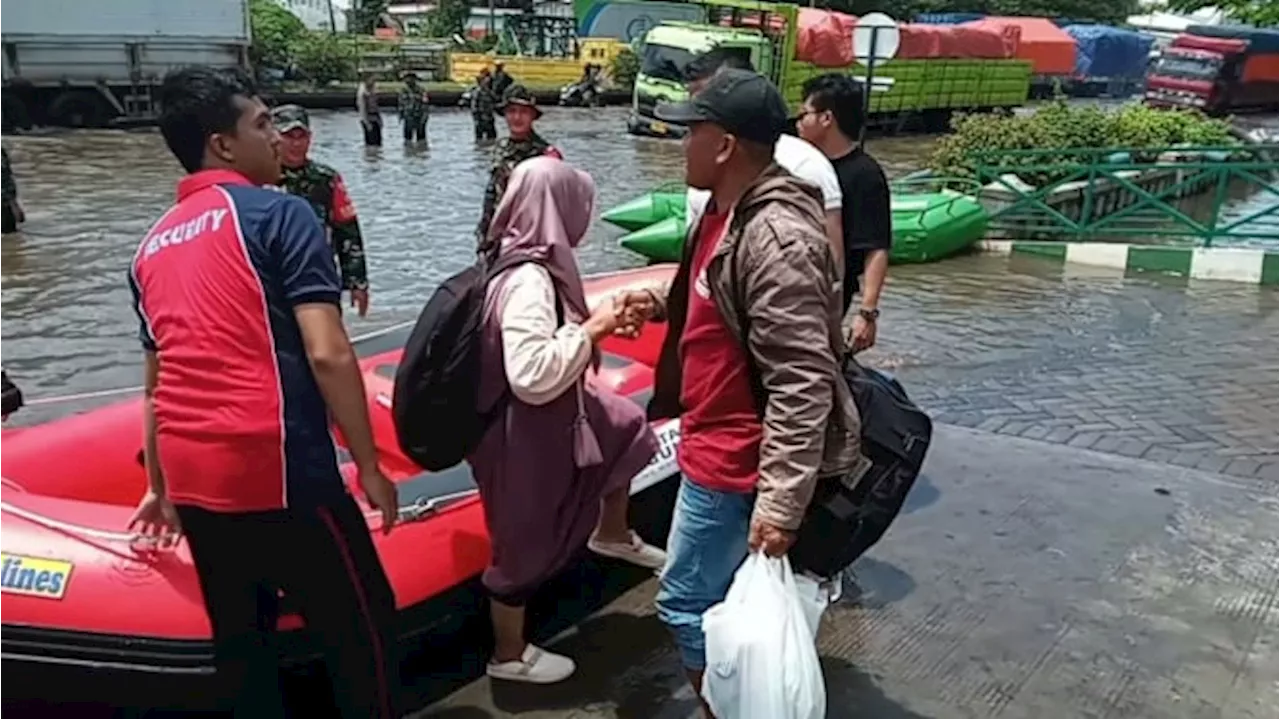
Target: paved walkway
x=1094, y=534
x=1152, y=368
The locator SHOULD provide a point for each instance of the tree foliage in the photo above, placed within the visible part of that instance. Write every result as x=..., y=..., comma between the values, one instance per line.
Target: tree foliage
x=321, y=57
x=366, y=14
x=1261, y=13
x=449, y=18
x=1104, y=11
x=274, y=30
x=282, y=42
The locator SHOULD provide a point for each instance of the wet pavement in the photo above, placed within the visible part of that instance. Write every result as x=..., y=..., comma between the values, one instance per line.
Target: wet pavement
x=1023, y=580
x=1059, y=556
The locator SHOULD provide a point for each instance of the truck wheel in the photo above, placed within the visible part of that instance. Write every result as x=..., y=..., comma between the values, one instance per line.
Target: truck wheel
x=15, y=115
x=79, y=108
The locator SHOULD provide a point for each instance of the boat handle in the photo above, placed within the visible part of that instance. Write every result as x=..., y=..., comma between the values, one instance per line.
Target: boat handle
x=424, y=507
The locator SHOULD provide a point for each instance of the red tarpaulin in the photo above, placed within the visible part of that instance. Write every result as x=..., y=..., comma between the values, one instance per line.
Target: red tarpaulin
x=825, y=38
x=1050, y=49
x=953, y=41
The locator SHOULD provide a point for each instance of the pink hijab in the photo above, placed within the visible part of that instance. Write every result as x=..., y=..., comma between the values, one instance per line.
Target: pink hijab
x=545, y=212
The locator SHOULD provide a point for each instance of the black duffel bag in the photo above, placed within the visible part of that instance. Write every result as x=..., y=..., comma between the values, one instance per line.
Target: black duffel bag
x=847, y=517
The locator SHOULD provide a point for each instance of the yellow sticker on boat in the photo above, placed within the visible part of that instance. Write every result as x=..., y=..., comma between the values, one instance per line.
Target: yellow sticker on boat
x=34, y=576
x=658, y=126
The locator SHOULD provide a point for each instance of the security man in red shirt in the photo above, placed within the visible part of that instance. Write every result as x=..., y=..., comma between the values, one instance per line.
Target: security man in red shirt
x=246, y=358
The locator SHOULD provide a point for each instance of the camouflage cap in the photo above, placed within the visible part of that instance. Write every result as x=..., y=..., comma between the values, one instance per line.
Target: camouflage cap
x=289, y=117
x=520, y=95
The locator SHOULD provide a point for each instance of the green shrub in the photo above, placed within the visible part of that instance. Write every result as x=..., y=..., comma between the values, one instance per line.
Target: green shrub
x=624, y=68
x=1060, y=126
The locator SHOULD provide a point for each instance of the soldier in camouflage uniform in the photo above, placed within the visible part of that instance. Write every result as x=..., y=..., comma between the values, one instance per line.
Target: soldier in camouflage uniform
x=483, y=108
x=413, y=109
x=322, y=186
x=520, y=108
x=9, y=206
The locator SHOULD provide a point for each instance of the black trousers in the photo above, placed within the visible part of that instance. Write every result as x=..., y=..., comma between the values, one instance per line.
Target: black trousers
x=485, y=129
x=372, y=133
x=324, y=561
x=8, y=218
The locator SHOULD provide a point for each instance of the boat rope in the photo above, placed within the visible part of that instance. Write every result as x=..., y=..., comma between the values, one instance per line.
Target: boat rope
x=416, y=512
x=130, y=538
x=98, y=394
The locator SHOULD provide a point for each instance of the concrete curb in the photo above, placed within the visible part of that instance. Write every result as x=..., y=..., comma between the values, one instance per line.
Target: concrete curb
x=1230, y=264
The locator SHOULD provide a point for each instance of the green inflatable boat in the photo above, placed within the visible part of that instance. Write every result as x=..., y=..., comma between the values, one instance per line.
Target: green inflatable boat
x=927, y=226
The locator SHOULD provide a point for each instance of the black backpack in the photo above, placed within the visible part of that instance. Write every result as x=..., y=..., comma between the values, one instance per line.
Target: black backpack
x=846, y=518
x=434, y=403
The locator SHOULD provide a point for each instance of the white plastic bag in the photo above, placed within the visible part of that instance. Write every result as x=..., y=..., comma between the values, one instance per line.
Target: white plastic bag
x=761, y=659
x=815, y=597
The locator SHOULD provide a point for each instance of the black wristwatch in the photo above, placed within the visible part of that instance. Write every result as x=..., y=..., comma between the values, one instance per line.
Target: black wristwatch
x=870, y=315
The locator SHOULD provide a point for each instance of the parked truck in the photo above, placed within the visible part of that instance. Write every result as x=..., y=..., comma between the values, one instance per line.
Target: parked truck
x=74, y=63
x=1218, y=69
x=927, y=85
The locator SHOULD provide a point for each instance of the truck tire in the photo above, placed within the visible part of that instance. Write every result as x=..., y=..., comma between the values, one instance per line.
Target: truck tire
x=79, y=108
x=15, y=114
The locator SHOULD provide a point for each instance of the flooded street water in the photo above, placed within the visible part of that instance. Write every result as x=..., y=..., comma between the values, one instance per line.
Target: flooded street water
x=90, y=196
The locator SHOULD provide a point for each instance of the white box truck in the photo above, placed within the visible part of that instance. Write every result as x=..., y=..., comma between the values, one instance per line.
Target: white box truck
x=89, y=63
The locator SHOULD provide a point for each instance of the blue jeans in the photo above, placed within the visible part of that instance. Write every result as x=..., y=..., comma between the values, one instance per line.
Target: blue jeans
x=708, y=542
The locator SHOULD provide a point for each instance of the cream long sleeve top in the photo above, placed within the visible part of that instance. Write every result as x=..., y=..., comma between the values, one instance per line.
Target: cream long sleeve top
x=541, y=360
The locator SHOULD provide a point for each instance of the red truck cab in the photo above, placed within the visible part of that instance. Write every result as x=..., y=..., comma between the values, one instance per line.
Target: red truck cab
x=1217, y=69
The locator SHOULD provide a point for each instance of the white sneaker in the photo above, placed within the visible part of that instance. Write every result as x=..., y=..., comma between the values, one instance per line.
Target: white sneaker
x=535, y=666
x=634, y=551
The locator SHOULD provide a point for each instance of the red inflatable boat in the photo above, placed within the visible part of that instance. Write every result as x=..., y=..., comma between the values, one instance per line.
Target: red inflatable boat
x=90, y=613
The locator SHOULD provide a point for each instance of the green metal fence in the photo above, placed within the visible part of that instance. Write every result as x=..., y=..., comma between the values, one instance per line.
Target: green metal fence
x=1205, y=195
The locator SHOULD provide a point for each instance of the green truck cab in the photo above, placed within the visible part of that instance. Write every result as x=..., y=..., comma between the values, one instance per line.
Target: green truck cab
x=923, y=94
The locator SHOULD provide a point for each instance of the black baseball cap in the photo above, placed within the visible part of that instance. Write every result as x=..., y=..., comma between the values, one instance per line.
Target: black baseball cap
x=744, y=103
x=288, y=117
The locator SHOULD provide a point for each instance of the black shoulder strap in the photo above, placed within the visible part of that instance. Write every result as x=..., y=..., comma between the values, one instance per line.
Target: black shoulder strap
x=505, y=262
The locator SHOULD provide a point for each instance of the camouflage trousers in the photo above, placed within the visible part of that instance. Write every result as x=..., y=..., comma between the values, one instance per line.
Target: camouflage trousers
x=415, y=128
x=484, y=125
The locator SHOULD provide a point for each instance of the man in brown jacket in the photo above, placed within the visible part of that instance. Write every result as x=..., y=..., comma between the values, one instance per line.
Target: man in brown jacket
x=750, y=362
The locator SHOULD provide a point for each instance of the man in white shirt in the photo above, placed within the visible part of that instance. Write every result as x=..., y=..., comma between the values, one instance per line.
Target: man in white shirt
x=797, y=156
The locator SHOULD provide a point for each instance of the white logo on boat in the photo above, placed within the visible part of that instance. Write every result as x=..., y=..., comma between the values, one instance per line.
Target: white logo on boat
x=664, y=463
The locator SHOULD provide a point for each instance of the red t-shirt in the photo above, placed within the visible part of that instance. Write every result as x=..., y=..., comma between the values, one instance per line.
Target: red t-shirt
x=719, y=430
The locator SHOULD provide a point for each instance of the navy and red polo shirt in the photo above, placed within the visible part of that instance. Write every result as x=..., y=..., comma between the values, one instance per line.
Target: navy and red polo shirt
x=241, y=425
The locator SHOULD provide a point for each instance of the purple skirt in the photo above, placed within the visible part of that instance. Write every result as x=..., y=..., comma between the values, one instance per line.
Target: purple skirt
x=539, y=507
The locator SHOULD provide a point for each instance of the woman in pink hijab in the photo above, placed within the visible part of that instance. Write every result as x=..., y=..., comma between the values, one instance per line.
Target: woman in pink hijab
x=555, y=472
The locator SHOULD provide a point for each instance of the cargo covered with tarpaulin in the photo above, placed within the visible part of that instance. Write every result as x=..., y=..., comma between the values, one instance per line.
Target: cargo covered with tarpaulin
x=954, y=41
x=1050, y=50
x=1108, y=52
x=825, y=37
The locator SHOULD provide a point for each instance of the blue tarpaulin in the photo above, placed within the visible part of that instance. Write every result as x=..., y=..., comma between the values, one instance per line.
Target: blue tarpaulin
x=1103, y=51
x=947, y=18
